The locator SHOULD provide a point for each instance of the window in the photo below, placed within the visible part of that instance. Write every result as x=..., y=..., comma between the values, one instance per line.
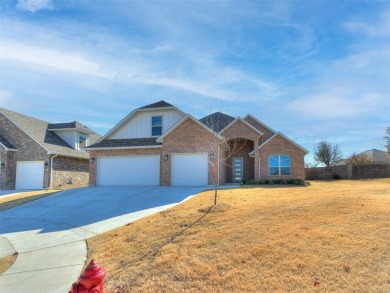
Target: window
x=83, y=139
x=279, y=165
x=156, y=125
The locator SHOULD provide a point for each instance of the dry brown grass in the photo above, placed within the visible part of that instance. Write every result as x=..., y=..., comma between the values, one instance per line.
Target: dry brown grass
x=21, y=198
x=329, y=237
x=6, y=262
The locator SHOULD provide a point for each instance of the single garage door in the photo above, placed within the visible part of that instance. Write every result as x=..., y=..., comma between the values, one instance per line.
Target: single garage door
x=189, y=169
x=128, y=171
x=29, y=174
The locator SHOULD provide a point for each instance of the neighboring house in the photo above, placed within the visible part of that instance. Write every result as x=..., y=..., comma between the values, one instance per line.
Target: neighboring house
x=35, y=154
x=158, y=144
x=376, y=157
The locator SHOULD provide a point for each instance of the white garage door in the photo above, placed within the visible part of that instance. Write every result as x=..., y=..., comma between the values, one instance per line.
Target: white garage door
x=128, y=171
x=29, y=174
x=189, y=170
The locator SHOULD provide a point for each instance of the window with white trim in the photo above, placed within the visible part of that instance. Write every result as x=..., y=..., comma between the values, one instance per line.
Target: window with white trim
x=83, y=140
x=279, y=165
x=156, y=125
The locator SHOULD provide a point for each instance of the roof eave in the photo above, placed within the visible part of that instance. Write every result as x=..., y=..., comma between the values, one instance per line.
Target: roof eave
x=243, y=121
x=123, y=148
x=285, y=137
x=258, y=121
x=132, y=113
x=73, y=129
x=188, y=116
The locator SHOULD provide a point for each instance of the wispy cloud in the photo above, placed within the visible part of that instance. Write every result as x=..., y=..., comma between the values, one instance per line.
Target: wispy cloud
x=378, y=28
x=34, y=5
x=59, y=60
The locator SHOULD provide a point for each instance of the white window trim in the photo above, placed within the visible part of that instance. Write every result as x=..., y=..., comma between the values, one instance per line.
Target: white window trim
x=151, y=125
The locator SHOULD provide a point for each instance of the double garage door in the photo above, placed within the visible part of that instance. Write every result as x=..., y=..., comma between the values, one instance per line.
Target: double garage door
x=186, y=170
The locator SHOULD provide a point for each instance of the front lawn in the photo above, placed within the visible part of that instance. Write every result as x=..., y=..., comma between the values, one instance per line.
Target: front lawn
x=328, y=237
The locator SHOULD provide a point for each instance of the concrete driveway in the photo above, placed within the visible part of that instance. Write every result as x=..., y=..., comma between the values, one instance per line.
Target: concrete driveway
x=49, y=234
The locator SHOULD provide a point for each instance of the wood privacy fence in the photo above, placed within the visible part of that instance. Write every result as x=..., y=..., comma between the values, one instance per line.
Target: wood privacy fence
x=348, y=172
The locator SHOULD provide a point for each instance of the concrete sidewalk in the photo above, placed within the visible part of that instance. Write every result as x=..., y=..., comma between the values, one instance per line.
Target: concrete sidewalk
x=49, y=234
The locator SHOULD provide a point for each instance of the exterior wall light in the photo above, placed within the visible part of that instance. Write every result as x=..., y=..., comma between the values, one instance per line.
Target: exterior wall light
x=212, y=156
x=92, y=160
x=166, y=158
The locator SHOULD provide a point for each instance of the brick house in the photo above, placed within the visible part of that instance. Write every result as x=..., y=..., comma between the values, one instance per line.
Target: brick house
x=158, y=144
x=35, y=154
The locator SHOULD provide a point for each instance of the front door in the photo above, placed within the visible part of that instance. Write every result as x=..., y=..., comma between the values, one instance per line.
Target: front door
x=237, y=170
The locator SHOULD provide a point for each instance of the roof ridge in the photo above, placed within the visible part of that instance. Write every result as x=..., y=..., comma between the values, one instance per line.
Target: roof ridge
x=159, y=104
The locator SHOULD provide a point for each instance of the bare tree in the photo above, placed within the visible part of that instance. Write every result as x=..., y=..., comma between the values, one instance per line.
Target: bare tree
x=219, y=149
x=359, y=159
x=327, y=154
x=387, y=137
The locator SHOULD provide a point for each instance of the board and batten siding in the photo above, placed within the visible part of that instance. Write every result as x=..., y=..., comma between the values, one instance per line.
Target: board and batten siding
x=140, y=126
x=69, y=136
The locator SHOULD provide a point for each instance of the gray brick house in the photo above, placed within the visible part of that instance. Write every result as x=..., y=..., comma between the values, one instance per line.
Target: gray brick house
x=158, y=144
x=35, y=154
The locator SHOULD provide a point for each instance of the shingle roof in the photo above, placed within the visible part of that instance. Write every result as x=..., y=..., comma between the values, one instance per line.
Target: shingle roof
x=217, y=121
x=377, y=156
x=70, y=125
x=38, y=130
x=6, y=143
x=131, y=142
x=160, y=104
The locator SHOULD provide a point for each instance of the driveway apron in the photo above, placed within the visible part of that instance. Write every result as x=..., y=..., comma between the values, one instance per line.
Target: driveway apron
x=49, y=234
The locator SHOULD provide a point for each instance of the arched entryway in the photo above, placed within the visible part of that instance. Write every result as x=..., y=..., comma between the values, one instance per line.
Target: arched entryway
x=239, y=165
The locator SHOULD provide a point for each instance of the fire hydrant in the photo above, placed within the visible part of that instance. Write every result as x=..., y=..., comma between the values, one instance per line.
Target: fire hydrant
x=91, y=280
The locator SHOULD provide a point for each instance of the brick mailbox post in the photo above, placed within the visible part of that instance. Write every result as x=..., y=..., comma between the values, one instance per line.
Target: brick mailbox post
x=91, y=280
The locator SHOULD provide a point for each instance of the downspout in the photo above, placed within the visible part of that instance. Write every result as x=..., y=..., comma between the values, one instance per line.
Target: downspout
x=51, y=170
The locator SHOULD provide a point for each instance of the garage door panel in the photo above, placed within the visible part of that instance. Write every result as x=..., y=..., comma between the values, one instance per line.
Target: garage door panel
x=128, y=171
x=189, y=169
x=29, y=174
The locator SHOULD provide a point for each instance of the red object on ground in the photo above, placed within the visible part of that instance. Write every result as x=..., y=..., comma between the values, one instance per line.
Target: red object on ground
x=91, y=280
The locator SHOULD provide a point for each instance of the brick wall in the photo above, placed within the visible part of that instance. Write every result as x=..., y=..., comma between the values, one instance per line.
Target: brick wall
x=326, y=173
x=8, y=172
x=106, y=153
x=349, y=172
x=189, y=137
x=65, y=168
x=371, y=171
x=280, y=146
x=240, y=130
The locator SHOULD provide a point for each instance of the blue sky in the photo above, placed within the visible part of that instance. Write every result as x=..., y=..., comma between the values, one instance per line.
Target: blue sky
x=314, y=70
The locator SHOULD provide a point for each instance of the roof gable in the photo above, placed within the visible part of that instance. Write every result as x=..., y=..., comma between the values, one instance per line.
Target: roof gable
x=75, y=125
x=286, y=138
x=188, y=116
x=244, y=122
x=217, y=121
x=161, y=105
x=38, y=131
x=249, y=116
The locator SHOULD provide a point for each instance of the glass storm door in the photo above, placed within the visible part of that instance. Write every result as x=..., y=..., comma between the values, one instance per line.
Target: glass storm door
x=237, y=170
